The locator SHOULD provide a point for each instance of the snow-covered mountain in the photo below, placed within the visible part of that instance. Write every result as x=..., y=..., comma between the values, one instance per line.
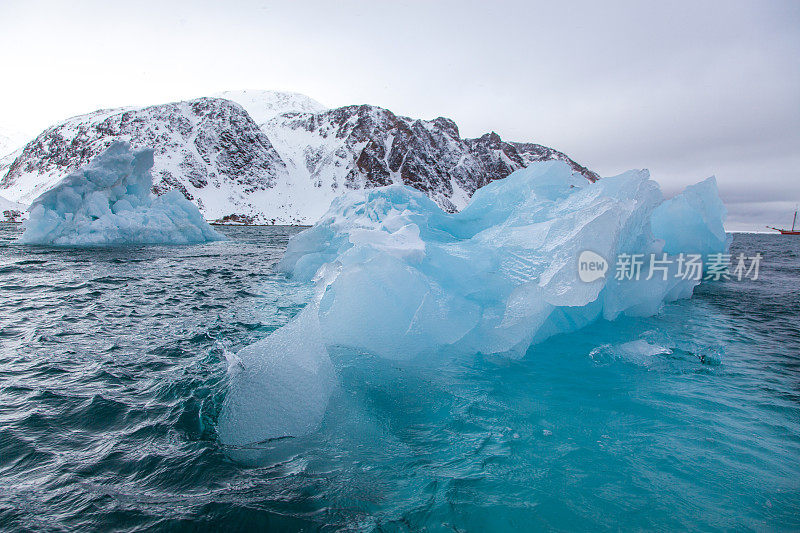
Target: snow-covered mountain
x=209, y=149
x=286, y=171
x=11, y=211
x=367, y=146
x=10, y=140
x=263, y=105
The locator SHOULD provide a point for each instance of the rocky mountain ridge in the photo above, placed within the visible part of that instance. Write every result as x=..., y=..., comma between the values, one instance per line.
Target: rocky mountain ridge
x=285, y=170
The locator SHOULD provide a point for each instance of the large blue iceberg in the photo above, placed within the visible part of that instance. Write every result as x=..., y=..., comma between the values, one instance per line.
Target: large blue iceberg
x=397, y=277
x=108, y=202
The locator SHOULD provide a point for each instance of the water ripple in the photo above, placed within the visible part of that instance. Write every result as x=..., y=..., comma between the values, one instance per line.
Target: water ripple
x=112, y=373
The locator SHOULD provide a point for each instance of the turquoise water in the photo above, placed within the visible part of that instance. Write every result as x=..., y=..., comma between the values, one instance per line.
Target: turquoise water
x=112, y=375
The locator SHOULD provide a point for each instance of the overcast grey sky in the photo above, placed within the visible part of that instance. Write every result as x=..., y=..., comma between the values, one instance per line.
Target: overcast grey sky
x=686, y=89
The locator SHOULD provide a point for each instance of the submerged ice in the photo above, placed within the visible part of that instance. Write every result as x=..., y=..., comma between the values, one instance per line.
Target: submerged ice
x=397, y=277
x=109, y=202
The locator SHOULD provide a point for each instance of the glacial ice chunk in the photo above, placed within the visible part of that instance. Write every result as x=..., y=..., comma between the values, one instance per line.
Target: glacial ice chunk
x=692, y=222
x=109, y=202
x=398, y=277
x=279, y=386
x=503, y=272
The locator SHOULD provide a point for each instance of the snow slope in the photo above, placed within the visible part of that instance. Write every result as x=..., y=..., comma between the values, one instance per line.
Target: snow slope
x=11, y=211
x=10, y=140
x=264, y=105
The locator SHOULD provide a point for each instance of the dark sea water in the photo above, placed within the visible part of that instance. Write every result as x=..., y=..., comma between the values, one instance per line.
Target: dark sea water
x=112, y=376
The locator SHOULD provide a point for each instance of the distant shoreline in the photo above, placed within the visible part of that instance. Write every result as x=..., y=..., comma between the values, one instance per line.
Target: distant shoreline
x=224, y=225
x=309, y=225
x=261, y=225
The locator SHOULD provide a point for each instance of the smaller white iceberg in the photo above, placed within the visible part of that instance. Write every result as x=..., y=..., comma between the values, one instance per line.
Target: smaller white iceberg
x=108, y=202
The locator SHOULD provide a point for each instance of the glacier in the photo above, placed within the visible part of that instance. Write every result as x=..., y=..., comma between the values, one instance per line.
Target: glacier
x=397, y=277
x=109, y=202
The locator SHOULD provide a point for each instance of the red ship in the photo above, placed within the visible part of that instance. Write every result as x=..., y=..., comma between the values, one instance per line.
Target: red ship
x=788, y=231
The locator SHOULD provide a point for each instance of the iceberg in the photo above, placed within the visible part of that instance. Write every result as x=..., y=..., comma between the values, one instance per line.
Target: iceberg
x=397, y=277
x=109, y=202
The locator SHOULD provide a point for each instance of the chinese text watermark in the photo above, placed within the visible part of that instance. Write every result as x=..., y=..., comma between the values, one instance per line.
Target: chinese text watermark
x=713, y=267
